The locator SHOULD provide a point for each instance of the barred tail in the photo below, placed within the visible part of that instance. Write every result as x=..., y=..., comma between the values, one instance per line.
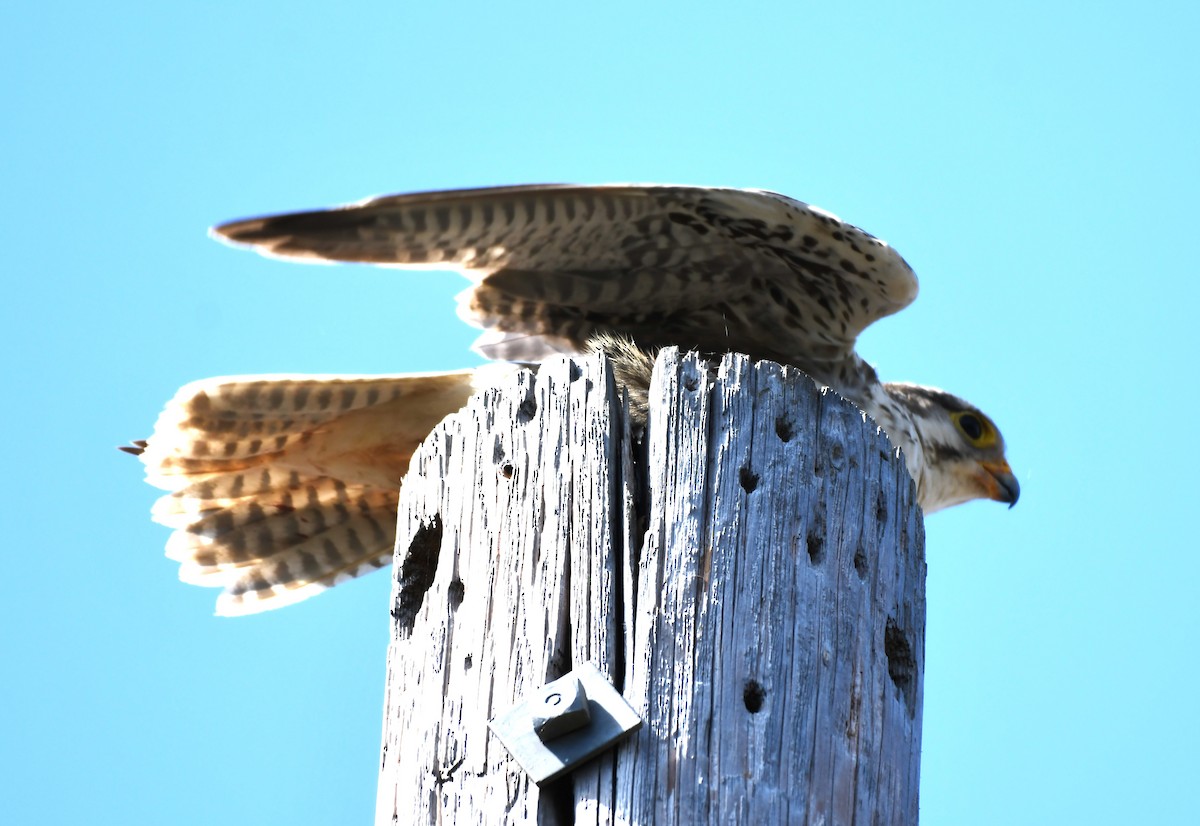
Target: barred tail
x=282, y=486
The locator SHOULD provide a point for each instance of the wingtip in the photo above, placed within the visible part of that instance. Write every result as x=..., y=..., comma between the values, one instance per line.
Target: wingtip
x=311, y=237
x=242, y=232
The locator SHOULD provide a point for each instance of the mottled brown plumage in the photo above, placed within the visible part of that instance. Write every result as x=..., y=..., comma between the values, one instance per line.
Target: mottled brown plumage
x=283, y=485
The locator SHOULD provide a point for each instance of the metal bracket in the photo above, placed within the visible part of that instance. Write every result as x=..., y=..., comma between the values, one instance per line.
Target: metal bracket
x=565, y=723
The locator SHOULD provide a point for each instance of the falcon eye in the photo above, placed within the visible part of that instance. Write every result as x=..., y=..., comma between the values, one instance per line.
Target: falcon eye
x=978, y=431
x=970, y=425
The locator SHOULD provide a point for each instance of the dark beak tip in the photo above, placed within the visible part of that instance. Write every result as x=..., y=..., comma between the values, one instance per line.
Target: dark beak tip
x=1012, y=488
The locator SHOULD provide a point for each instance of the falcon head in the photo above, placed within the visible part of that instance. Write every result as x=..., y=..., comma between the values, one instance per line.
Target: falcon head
x=962, y=448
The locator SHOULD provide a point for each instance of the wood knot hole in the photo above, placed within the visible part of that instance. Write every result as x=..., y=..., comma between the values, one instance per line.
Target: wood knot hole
x=454, y=594
x=753, y=695
x=527, y=410
x=816, y=549
x=860, y=563
x=784, y=429
x=902, y=665
x=416, y=571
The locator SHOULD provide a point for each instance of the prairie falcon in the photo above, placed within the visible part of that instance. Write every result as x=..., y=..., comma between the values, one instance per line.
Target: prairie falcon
x=282, y=485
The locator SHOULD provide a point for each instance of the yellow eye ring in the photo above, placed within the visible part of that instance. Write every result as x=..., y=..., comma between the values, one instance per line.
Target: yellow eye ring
x=976, y=428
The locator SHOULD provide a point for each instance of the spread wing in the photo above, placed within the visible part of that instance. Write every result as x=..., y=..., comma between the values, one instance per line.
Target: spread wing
x=710, y=269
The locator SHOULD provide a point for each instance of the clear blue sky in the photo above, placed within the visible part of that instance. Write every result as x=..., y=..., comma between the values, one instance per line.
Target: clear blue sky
x=1037, y=163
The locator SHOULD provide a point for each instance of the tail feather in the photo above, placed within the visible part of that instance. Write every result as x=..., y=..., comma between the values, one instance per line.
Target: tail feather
x=277, y=584
x=360, y=543
x=256, y=528
x=214, y=423
x=207, y=492
x=282, y=486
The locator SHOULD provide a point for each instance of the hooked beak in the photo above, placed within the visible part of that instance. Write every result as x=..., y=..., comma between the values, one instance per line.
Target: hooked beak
x=1000, y=483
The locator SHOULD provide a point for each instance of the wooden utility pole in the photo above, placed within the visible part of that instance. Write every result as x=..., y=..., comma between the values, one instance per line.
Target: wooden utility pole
x=753, y=584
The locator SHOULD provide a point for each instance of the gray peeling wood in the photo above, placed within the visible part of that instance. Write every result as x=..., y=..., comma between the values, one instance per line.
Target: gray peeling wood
x=766, y=618
x=779, y=632
x=509, y=522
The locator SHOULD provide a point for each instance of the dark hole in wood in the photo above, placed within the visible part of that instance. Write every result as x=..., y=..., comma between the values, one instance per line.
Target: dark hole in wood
x=560, y=661
x=416, y=572
x=691, y=383
x=784, y=429
x=506, y=470
x=836, y=451
x=454, y=594
x=528, y=409
x=557, y=801
x=641, y=504
x=902, y=665
x=881, y=511
x=468, y=661
x=816, y=548
x=748, y=478
x=753, y=695
x=860, y=563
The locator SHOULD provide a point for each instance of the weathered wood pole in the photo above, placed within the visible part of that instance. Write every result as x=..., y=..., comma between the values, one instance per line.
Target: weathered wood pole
x=756, y=591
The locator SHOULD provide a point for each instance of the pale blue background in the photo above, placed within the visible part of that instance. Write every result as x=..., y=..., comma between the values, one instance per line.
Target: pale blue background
x=1035, y=162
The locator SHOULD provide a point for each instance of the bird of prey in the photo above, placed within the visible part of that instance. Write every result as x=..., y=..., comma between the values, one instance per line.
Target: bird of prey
x=283, y=485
